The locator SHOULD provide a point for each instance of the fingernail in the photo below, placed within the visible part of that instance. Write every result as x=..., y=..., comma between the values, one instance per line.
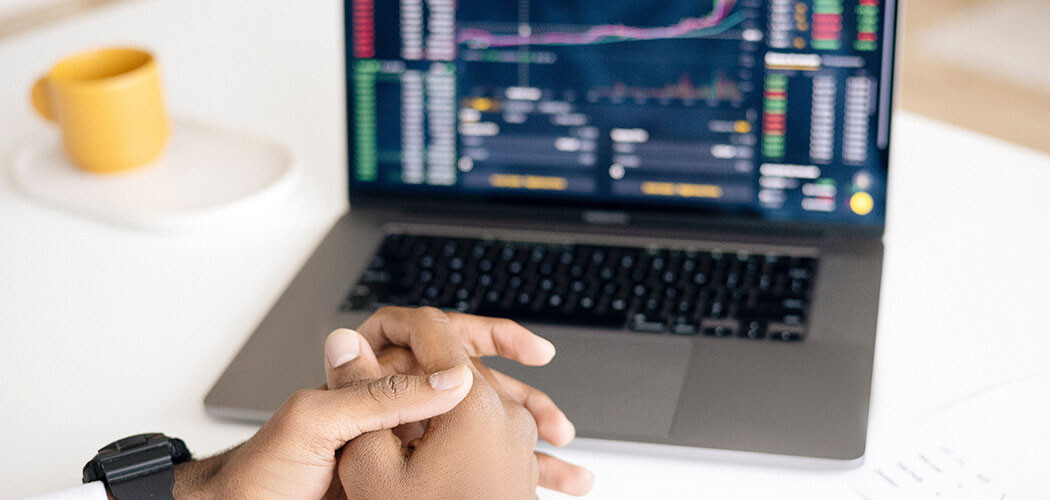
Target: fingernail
x=589, y=478
x=342, y=347
x=449, y=379
x=553, y=350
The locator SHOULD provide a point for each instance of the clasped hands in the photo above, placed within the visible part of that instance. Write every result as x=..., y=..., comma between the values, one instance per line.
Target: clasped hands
x=409, y=412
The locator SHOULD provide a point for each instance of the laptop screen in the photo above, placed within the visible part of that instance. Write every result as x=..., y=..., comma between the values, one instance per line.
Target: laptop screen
x=767, y=109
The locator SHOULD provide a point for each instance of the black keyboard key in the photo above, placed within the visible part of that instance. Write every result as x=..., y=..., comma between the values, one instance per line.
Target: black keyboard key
x=700, y=279
x=793, y=303
x=682, y=325
x=555, y=301
x=719, y=328
x=360, y=298
x=375, y=276
x=798, y=286
x=785, y=333
x=515, y=282
x=752, y=329
x=576, y=271
x=800, y=273
x=646, y=324
x=546, y=269
x=717, y=309
x=775, y=309
x=718, y=331
x=684, y=306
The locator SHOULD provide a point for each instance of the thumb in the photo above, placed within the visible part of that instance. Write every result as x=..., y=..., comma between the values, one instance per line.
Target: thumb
x=335, y=417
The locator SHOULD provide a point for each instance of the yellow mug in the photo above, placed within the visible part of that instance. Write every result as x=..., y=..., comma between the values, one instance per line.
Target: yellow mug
x=109, y=106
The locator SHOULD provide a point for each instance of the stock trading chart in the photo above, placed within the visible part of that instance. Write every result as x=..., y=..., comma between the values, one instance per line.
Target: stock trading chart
x=765, y=107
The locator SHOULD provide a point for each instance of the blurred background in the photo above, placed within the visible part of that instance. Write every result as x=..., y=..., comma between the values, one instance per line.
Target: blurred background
x=979, y=64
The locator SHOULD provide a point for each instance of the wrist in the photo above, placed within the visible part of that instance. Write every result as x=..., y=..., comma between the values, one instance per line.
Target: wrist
x=196, y=479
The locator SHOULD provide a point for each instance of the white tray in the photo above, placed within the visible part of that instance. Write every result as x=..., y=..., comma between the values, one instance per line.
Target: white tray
x=208, y=177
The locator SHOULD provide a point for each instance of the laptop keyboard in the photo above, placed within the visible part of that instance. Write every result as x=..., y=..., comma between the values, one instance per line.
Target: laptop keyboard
x=647, y=290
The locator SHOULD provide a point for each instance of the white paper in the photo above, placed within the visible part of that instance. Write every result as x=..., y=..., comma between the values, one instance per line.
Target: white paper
x=994, y=445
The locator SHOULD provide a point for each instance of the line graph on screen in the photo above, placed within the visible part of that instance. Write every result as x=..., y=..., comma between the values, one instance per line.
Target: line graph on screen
x=718, y=21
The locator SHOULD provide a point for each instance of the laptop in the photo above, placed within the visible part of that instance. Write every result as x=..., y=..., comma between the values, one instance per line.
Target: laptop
x=687, y=198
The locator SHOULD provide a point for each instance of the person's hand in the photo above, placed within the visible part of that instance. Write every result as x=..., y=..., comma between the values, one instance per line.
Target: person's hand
x=481, y=336
x=293, y=455
x=484, y=447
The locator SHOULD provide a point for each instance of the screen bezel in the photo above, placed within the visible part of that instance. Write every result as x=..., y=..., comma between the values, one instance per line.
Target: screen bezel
x=540, y=209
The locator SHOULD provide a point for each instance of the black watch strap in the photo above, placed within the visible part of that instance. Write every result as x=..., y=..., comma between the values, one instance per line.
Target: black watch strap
x=138, y=467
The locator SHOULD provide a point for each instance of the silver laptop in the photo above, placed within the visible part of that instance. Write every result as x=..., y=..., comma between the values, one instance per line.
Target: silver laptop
x=687, y=198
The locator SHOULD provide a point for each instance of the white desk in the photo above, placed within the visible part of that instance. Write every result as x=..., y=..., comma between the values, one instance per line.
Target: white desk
x=106, y=332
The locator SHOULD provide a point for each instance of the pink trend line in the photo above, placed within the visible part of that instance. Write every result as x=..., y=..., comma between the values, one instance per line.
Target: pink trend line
x=718, y=14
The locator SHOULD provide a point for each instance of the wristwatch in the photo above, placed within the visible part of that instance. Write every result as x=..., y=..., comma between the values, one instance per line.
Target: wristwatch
x=138, y=467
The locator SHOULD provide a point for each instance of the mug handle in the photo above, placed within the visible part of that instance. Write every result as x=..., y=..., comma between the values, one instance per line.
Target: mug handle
x=41, y=101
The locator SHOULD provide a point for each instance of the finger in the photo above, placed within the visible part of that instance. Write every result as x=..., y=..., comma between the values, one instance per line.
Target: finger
x=501, y=337
x=559, y=475
x=349, y=358
x=398, y=360
x=480, y=336
x=554, y=427
x=327, y=420
x=427, y=331
x=410, y=433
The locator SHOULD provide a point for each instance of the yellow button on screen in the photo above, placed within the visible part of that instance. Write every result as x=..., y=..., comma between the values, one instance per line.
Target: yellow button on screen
x=862, y=203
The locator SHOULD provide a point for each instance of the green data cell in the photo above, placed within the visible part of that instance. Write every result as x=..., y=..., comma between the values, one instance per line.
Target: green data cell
x=364, y=79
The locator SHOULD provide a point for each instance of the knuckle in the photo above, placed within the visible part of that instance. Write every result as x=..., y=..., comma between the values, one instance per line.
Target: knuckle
x=389, y=388
x=428, y=310
x=386, y=311
x=485, y=402
x=525, y=423
x=507, y=323
x=299, y=406
x=301, y=399
x=541, y=400
x=432, y=314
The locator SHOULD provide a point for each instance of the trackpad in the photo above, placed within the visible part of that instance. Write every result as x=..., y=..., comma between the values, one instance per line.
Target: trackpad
x=611, y=385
